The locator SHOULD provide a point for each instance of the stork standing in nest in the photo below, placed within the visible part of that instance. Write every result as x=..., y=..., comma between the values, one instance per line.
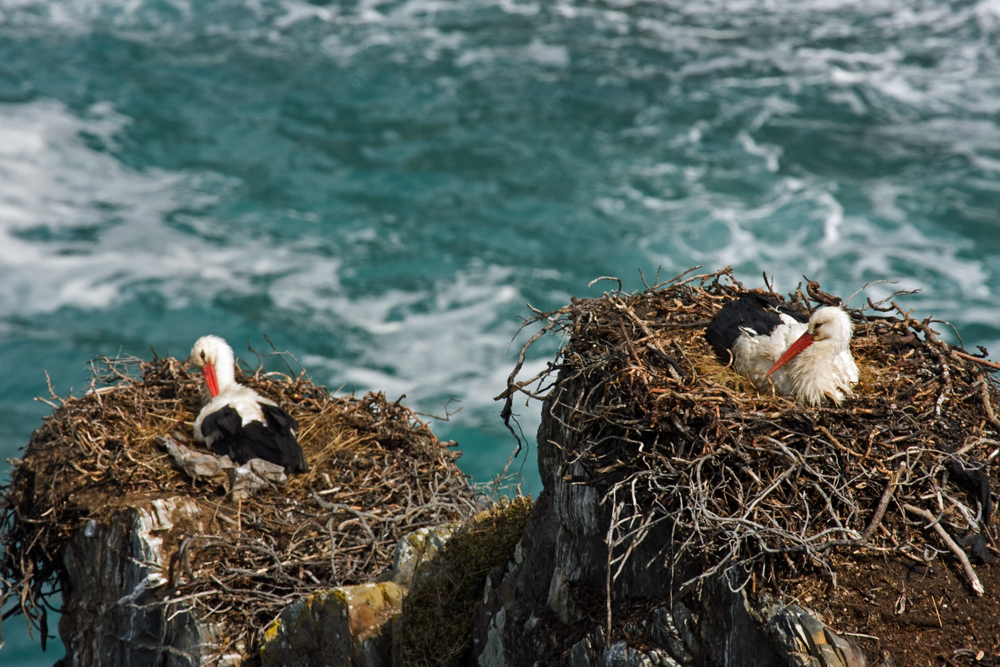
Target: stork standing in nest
x=805, y=359
x=237, y=421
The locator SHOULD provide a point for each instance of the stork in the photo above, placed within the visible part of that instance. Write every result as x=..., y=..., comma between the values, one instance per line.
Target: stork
x=807, y=359
x=237, y=421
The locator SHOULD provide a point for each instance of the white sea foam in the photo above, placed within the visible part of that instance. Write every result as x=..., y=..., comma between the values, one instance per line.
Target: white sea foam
x=296, y=11
x=454, y=347
x=78, y=229
x=52, y=183
x=838, y=139
x=823, y=241
x=448, y=339
x=554, y=55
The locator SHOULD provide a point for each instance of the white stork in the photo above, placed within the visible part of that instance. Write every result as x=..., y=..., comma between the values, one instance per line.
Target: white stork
x=773, y=345
x=237, y=421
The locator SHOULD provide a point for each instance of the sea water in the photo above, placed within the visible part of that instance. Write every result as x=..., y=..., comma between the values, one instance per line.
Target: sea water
x=381, y=187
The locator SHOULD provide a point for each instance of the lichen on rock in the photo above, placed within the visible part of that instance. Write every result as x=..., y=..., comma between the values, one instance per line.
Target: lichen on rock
x=341, y=626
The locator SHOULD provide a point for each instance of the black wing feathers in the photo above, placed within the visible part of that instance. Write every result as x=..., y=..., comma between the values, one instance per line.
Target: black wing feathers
x=751, y=311
x=226, y=421
x=278, y=419
x=272, y=441
x=977, y=483
x=282, y=426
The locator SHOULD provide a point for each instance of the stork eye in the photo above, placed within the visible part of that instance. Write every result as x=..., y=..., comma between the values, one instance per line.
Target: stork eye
x=203, y=355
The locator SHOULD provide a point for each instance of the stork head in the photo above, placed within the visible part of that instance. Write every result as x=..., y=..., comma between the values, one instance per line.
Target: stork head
x=832, y=324
x=215, y=358
x=830, y=327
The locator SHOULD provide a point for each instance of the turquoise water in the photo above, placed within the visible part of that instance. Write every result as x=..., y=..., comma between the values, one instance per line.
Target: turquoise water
x=380, y=187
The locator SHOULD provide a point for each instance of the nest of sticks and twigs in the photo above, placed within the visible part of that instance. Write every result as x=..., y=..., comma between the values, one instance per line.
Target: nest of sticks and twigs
x=376, y=473
x=677, y=442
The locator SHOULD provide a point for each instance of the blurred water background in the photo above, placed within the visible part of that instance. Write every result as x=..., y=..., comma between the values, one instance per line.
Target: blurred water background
x=381, y=186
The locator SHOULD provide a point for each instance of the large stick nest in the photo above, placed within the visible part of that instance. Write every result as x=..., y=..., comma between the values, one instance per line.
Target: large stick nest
x=675, y=440
x=376, y=473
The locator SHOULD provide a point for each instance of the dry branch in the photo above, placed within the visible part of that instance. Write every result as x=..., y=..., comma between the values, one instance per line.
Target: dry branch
x=745, y=478
x=935, y=522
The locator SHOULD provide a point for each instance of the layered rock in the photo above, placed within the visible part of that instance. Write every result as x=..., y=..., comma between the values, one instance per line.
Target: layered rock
x=114, y=615
x=115, y=570
x=347, y=625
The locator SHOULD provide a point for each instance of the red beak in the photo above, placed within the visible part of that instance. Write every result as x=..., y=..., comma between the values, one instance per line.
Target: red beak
x=804, y=341
x=210, y=379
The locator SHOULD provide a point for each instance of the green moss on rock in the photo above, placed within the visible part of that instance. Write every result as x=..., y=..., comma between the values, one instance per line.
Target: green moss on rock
x=436, y=624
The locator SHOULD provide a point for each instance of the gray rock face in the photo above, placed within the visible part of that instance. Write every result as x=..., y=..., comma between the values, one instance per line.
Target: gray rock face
x=113, y=619
x=416, y=549
x=347, y=625
x=113, y=570
x=352, y=625
x=562, y=554
x=802, y=639
x=666, y=632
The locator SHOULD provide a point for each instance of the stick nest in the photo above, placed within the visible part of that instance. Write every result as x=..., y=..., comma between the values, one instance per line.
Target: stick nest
x=377, y=472
x=678, y=443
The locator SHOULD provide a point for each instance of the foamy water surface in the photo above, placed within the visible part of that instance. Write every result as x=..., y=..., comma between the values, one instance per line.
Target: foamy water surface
x=380, y=187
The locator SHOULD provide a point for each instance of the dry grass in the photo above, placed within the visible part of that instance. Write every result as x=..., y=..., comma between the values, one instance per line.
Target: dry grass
x=376, y=473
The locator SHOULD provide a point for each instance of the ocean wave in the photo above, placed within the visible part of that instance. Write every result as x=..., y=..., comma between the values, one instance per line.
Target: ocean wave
x=451, y=151
x=79, y=230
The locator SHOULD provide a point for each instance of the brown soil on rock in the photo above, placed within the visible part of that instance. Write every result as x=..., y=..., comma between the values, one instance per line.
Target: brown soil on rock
x=921, y=615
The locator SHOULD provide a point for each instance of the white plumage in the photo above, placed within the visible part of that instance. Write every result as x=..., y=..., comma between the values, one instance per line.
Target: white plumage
x=237, y=421
x=218, y=363
x=808, y=361
x=820, y=364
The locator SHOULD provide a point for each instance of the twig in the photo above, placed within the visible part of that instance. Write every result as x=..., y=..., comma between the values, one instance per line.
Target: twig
x=618, y=280
x=978, y=360
x=977, y=586
x=984, y=392
x=882, y=504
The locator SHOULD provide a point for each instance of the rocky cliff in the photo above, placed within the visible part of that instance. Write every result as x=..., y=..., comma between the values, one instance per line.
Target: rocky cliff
x=688, y=519
x=554, y=602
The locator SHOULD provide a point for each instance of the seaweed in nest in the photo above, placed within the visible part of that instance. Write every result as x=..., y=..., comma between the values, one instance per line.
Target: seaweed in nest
x=377, y=472
x=677, y=443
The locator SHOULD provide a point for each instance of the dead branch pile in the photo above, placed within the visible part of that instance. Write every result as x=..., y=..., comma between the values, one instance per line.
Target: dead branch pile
x=376, y=473
x=675, y=440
